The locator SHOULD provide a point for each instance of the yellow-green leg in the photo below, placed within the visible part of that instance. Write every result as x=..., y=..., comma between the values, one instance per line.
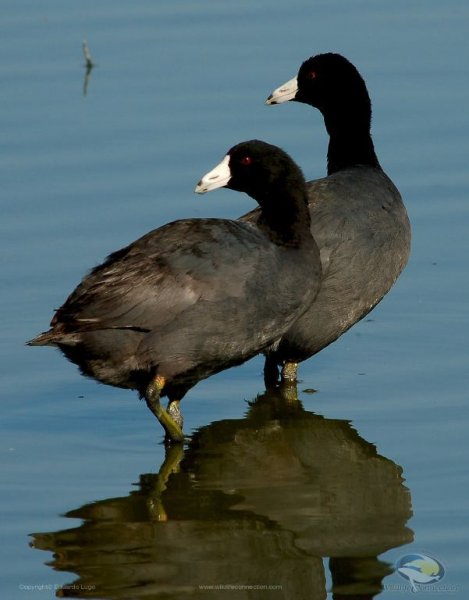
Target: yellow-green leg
x=289, y=370
x=171, y=419
x=174, y=411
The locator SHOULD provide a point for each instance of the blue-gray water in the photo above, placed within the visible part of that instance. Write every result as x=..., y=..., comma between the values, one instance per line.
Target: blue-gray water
x=176, y=84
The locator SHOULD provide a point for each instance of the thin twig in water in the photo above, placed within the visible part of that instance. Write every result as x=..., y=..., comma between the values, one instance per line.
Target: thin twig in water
x=87, y=55
x=89, y=65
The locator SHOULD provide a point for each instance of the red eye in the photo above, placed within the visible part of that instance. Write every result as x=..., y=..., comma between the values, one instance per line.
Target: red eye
x=246, y=160
x=311, y=75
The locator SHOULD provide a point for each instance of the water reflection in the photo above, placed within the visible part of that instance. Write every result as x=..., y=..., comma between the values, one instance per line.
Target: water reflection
x=251, y=503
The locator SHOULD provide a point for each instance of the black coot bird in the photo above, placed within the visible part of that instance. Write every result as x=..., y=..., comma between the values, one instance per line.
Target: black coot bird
x=358, y=218
x=200, y=295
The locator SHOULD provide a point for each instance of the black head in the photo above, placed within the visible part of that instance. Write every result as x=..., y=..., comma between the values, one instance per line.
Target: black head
x=271, y=177
x=329, y=80
x=330, y=83
x=259, y=169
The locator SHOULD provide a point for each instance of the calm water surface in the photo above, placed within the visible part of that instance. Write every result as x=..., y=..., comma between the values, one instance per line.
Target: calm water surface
x=304, y=500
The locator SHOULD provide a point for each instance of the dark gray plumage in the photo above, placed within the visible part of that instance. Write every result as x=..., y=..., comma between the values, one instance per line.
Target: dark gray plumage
x=196, y=296
x=358, y=218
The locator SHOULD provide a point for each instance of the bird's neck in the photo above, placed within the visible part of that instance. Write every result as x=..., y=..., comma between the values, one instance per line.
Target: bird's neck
x=285, y=216
x=350, y=142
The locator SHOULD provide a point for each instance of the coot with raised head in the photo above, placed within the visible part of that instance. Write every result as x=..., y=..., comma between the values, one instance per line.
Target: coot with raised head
x=358, y=218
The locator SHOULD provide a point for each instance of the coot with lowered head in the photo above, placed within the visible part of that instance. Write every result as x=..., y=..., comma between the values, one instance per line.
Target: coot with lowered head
x=199, y=295
x=358, y=218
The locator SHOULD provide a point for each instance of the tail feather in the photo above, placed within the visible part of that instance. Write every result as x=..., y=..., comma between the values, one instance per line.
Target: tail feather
x=55, y=337
x=46, y=338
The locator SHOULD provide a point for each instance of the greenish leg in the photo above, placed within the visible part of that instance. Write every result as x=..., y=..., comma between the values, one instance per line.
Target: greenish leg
x=171, y=424
x=174, y=411
x=289, y=370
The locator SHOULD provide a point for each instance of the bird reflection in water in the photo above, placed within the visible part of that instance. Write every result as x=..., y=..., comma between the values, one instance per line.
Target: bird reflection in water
x=251, y=506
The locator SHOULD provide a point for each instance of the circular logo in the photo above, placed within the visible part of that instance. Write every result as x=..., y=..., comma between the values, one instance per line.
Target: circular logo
x=420, y=569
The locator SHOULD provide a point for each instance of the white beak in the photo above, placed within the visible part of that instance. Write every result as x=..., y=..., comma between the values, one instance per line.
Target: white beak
x=216, y=178
x=284, y=93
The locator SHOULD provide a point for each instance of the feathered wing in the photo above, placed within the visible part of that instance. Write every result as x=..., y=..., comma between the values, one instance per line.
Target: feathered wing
x=146, y=285
x=136, y=288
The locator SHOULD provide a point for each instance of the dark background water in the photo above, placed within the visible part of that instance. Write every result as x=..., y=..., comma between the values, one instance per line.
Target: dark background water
x=176, y=84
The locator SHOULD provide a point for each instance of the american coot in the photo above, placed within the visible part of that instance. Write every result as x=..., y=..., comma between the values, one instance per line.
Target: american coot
x=196, y=296
x=358, y=218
